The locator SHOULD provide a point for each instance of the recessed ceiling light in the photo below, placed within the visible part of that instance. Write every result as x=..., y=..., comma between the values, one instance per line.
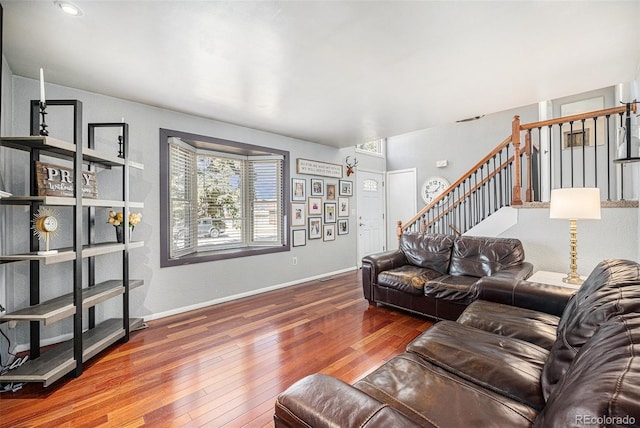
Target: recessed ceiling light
x=68, y=8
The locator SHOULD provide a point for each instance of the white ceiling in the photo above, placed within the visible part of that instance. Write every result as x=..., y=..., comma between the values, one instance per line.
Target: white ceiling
x=332, y=72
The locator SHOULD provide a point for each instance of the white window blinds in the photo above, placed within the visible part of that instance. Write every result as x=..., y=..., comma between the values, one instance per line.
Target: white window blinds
x=265, y=200
x=183, y=191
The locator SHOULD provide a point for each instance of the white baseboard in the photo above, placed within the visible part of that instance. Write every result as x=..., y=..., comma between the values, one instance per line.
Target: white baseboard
x=242, y=295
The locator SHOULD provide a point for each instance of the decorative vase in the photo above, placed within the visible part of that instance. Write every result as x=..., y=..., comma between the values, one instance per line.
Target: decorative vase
x=120, y=234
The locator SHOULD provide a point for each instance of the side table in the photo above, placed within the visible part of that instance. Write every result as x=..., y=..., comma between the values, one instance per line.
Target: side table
x=553, y=278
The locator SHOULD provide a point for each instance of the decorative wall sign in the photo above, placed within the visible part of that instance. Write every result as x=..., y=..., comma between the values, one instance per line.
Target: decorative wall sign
x=56, y=180
x=324, y=169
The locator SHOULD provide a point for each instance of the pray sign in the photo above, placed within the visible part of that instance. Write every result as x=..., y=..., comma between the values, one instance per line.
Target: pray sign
x=56, y=180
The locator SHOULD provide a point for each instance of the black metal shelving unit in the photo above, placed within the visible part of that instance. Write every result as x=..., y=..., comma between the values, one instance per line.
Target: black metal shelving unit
x=68, y=357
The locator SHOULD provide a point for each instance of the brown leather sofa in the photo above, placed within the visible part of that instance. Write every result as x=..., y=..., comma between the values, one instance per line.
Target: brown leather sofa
x=496, y=365
x=436, y=274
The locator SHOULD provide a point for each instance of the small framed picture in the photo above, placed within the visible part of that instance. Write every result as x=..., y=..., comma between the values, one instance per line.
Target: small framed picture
x=343, y=226
x=329, y=212
x=329, y=232
x=298, y=217
x=343, y=207
x=317, y=187
x=315, y=227
x=298, y=237
x=298, y=189
x=315, y=206
x=331, y=192
x=345, y=188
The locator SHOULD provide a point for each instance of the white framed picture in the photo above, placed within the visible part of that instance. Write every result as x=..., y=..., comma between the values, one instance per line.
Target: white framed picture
x=343, y=207
x=314, y=205
x=329, y=232
x=298, y=217
x=298, y=189
x=298, y=237
x=329, y=212
x=343, y=226
x=345, y=188
x=317, y=187
x=315, y=227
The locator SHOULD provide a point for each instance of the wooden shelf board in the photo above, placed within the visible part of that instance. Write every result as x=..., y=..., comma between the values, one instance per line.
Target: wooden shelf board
x=136, y=324
x=61, y=256
x=47, y=312
x=62, y=307
x=101, y=292
x=58, y=361
x=99, y=249
x=106, y=203
x=136, y=165
x=136, y=244
x=102, y=158
x=48, y=368
x=46, y=200
x=98, y=339
x=135, y=283
x=49, y=144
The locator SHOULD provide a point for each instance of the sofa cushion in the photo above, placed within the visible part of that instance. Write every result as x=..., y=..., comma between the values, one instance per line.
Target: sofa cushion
x=535, y=327
x=602, y=386
x=482, y=256
x=612, y=288
x=431, y=251
x=507, y=366
x=460, y=289
x=429, y=395
x=407, y=278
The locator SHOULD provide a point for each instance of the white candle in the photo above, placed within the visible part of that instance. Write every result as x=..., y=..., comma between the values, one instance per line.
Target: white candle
x=42, y=99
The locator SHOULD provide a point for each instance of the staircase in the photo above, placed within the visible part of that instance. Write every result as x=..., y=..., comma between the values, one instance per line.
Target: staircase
x=573, y=151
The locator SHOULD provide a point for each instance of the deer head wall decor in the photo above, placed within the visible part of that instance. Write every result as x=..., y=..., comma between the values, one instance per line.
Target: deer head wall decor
x=350, y=166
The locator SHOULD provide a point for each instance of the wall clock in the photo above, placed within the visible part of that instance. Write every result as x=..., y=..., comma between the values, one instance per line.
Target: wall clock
x=45, y=225
x=432, y=188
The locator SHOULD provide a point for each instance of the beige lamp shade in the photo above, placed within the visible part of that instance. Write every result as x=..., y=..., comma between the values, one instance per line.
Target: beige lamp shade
x=580, y=203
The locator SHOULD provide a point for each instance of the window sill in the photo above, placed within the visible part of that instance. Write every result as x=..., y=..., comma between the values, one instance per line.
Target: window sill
x=213, y=255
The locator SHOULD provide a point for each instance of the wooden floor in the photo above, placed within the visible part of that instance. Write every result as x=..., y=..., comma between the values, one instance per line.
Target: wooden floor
x=222, y=366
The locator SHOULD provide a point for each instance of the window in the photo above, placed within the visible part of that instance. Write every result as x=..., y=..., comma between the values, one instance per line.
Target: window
x=375, y=147
x=220, y=199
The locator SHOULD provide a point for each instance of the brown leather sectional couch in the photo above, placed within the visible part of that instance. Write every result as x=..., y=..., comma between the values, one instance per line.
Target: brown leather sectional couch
x=436, y=274
x=524, y=354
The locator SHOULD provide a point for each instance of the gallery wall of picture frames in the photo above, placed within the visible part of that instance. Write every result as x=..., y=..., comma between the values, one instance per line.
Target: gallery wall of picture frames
x=320, y=209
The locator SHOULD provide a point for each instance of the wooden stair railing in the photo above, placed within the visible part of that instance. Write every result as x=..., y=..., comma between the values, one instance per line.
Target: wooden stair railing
x=445, y=212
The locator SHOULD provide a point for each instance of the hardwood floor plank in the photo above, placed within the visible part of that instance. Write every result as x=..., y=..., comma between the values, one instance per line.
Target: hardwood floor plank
x=222, y=366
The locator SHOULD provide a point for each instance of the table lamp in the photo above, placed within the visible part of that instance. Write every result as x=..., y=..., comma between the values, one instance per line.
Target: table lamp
x=580, y=203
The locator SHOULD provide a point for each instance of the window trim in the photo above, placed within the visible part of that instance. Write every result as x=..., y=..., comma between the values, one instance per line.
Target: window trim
x=215, y=144
x=382, y=147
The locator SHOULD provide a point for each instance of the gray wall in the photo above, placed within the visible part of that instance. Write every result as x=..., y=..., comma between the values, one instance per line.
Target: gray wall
x=546, y=241
x=167, y=290
x=461, y=144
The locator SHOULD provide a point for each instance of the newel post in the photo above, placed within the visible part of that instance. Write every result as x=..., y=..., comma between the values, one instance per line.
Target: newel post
x=515, y=140
x=399, y=230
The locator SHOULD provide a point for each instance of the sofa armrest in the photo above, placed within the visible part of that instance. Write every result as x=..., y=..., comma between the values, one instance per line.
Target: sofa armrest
x=373, y=264
x=385, y=261
x=546, y=298
x=520, y=271
x=321, y=401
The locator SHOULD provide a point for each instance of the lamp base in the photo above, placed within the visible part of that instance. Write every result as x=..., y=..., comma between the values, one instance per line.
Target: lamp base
x=573, y=278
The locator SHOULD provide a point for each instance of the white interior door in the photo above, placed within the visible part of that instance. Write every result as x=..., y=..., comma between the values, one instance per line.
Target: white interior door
x=371, y=222
x=402, y=191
